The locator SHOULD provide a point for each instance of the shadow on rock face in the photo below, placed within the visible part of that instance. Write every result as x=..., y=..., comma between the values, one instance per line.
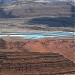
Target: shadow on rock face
x=2, y=44
x=56, y=22
x=3, y=14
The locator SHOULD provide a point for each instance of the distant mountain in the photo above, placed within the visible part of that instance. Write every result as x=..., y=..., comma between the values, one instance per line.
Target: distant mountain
x=6, y=1
x=72, y=2
x=34, y=0
x=31, y=8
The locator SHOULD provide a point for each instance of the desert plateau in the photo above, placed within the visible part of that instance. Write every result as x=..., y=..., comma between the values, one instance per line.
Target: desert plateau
x=37, y=56
x=37, y=37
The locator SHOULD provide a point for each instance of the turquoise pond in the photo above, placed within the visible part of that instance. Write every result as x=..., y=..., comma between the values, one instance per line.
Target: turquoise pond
x=38, y=35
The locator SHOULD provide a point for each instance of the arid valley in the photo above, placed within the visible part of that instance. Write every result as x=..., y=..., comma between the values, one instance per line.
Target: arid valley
x=37, y=37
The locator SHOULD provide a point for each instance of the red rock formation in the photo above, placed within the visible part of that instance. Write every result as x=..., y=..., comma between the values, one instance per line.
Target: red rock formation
x=64, y=47
x=33, y=63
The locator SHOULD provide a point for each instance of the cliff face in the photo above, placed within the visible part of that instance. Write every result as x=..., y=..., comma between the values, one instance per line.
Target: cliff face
x=2, y=44
x=34, y=63
x=37, y=57
x=64, y=47
x=24, y=9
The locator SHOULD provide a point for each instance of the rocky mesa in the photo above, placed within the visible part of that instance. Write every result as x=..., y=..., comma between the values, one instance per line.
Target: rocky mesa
x=63, y=46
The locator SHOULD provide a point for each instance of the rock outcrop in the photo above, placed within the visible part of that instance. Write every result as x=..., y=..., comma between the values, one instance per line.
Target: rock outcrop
x=24, y=9
x=34, y=63
x=2, y=44
x=63, y=46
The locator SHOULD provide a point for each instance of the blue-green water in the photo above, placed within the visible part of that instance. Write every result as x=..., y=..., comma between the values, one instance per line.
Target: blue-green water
x=38, y=35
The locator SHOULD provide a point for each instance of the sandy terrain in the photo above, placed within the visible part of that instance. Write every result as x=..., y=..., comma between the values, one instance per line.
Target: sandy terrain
x=63, y=46
x=47, y=56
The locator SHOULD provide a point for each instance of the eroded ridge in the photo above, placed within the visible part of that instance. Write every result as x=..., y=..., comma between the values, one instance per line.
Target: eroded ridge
x=34, y=63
